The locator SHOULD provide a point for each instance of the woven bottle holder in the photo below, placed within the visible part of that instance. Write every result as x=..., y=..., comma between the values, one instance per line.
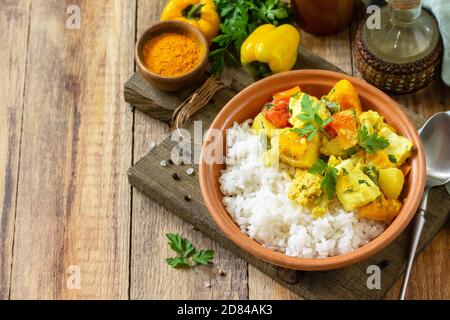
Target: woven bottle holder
x=395, y=77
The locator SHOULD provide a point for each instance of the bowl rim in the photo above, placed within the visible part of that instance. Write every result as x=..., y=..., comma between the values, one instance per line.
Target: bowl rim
x=230, y=228
x=146, y=35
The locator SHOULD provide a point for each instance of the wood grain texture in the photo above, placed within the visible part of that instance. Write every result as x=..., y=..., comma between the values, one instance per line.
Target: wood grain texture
x=73, y=201
x=349, y=283
x=14, y=18
x=151, y=277
x=73, y=205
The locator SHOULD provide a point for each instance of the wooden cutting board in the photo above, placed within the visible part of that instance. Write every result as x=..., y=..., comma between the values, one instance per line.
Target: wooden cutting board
x=157, y=182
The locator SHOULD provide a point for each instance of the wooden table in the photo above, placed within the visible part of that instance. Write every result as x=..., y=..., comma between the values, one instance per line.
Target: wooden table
x=66, y=141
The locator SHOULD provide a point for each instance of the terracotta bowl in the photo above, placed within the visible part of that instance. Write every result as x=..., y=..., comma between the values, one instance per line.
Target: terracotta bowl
x=178, y=82
x=247, y=104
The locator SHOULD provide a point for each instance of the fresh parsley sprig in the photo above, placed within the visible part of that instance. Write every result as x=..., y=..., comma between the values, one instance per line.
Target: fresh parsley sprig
x=371, y=142
x=239, y=18
x=187, y=255
x=309, y=115
x=329, y=179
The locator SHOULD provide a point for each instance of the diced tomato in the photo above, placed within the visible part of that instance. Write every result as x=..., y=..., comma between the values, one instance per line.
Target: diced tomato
x=344, y=126
x=277, y=113
x=330, y=131
x=343, y=121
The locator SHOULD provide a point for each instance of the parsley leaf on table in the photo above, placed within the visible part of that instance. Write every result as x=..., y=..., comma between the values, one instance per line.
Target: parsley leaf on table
x=203, y=257
x=187, y=255
x=178, y=262
x=183, y=247
x=329, y=179
x=371, y=142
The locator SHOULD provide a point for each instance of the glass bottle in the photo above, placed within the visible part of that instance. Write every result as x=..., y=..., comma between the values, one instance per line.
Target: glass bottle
x=407, y=32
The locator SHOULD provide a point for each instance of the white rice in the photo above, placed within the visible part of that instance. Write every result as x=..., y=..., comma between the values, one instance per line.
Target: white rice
x=256, y=197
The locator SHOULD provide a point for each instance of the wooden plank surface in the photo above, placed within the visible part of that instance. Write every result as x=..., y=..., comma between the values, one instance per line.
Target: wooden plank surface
x=151, y=278
x=14, y=17
x=73, y=203
x=77, y=128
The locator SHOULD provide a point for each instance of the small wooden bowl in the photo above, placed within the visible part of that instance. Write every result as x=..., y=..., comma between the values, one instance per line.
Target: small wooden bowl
x=178, y=82
x=247, y=104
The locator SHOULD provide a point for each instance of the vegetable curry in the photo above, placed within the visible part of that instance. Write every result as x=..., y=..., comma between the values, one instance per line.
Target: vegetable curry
x=341, y=154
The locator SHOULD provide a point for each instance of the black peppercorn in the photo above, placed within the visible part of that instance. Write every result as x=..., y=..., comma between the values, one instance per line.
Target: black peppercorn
x=383, y=264
x=175, y=176
x=187, y=197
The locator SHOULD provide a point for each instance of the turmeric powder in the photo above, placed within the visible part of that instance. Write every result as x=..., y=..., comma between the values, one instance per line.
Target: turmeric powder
x=171, y=54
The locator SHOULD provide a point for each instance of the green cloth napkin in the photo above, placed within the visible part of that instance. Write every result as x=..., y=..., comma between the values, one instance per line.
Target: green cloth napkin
x=441, y=10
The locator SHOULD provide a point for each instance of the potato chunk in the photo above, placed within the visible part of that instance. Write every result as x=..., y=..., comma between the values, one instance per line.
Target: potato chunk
x=391, y=182
x=262, y=125
x=295, y=150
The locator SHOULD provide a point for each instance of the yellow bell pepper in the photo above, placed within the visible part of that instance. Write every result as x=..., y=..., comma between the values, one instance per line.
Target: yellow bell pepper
x=201, y=14
x=271, y=45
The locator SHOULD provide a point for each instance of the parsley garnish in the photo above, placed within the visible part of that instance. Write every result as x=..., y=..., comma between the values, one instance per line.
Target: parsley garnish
x=371, y=142
x=329, y=179
x=268, y=105
x=187, y=254
x=392, y=158
x=332, y=106
x=363, y=182
x=309, y=115
x=372, y=172
x=296, y=95
x=239, y=18
x=350, y=151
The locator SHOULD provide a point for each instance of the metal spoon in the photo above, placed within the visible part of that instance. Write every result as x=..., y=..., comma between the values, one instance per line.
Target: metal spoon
x=435, y=135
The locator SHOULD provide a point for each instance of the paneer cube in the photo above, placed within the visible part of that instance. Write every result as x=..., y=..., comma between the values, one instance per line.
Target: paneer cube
x=399, y=149
x=354, y=189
